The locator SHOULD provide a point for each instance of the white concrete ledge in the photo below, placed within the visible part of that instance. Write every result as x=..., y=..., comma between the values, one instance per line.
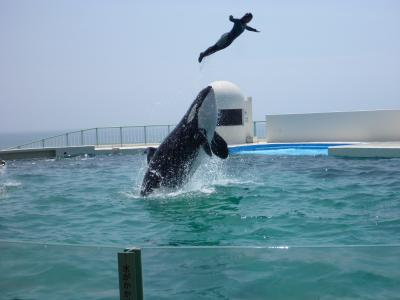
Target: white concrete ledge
x=367, y=150
x=46, y=152
x=121, y=150
x=72, y=151
x=360, y=150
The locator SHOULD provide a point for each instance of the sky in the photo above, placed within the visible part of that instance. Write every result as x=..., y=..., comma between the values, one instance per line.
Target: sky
x=69, y=64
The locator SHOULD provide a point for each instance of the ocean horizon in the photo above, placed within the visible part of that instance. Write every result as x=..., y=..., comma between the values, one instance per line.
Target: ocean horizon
x=11, y=139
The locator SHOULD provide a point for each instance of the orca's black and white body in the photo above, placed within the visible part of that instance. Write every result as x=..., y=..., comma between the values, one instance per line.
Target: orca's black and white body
x=176, y=159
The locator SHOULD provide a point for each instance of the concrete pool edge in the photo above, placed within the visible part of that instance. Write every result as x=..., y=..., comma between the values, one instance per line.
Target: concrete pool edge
x=336, y=149
x=367, y=150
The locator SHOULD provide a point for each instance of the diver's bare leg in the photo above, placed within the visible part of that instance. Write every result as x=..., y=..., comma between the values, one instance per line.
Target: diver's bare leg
x=209, y=51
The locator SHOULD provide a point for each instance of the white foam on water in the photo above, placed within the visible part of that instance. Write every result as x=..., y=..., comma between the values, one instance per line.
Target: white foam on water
x=214, y=172
x=185, y=191
x=209, y=175
x=164, y=193
x=6, y=186
x=3, y=170
x=3, y=191
x=131, y=194
x=12, y=183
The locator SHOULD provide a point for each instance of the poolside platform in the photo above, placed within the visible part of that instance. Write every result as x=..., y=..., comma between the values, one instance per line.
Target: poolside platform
x=351, y=150
x=126, y=149
x=50, y=152
x=367, y=150
x=64, y=152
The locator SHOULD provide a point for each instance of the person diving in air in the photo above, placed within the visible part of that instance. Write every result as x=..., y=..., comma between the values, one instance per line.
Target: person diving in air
x=239, y=25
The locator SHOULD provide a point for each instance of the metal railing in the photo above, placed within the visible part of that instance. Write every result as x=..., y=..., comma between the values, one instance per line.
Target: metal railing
x=116, y=136
x=260, y=129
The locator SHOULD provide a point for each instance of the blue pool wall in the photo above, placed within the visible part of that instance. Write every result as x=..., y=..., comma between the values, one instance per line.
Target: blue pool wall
x=299, y=148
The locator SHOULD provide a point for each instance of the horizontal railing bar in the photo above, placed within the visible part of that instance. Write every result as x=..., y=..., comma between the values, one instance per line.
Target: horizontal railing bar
x=51, y=244
x=49, y=138
x=156, y=137
x=335, y=246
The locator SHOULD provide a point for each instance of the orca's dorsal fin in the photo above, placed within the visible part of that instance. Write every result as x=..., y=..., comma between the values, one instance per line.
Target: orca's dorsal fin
x=219, y=147
x=150, y=152
x=204, y=142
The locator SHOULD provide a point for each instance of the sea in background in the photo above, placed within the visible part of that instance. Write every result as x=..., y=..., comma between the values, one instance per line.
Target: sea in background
x=11, y=139
x=250, y=227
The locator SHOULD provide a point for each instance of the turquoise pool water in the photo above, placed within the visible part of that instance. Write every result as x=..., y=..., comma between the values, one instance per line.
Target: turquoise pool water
x=311, y=226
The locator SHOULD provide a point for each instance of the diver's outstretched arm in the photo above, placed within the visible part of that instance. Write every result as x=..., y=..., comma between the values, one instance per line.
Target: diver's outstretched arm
x=251, y=29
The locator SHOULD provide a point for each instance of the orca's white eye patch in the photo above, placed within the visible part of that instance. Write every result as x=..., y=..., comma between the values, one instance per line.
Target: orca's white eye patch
x=207, y=115
x=192, y=114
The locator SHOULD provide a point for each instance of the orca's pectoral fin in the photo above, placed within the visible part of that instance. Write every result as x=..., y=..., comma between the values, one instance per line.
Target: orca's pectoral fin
x=204, y=142
x=207, y=149
x=150, y=152
x=219, y=147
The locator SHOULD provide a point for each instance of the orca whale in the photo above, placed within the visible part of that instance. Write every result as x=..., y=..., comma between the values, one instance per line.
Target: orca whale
x=177, y=157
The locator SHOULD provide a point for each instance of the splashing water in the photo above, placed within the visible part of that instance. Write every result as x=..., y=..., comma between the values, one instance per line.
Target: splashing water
x=210, y=172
